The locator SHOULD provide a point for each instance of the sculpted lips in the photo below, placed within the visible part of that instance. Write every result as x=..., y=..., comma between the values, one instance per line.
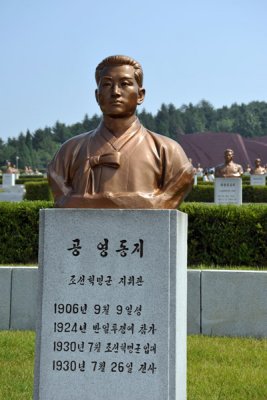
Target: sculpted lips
x=116, y=102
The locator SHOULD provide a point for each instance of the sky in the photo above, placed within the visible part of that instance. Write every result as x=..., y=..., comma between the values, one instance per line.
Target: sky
x=189, y=50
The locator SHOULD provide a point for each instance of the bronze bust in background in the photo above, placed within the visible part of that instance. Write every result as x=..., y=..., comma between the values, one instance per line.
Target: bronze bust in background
x=9, y=168
x=229, y=169
x=120, y=164
x=259, y=169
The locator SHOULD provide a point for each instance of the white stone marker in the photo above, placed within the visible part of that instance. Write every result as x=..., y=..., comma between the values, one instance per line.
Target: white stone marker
x=259, y=180
x=112, y=294
x=228, y=191
x=8, y=180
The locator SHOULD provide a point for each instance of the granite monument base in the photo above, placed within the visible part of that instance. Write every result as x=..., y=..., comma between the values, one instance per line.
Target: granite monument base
x=228, y=191
x=258, y=180
x=112, y=305
x=8, y=180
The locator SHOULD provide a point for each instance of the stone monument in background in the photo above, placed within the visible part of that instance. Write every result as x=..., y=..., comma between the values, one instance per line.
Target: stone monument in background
x=113, y=257
x=228, y=182
x=258, y=174
x=9, y=176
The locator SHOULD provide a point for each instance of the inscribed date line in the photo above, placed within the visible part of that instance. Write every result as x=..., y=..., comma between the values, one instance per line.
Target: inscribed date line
x=97, y=309
x=103, y=366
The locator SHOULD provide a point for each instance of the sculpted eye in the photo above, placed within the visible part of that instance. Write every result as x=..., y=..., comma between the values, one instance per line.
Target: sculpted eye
x=126, y=83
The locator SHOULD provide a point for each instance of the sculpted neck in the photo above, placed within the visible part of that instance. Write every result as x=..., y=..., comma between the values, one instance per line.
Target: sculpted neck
x=229, y=162
x=118, y=125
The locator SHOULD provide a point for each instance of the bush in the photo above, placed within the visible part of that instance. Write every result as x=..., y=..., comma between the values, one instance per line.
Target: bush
x=217, y=235
x=19, y=224
x=21, y=180
x=201, y=193
x=227, y=235
x=254, y=194
x=245, y=180
x=38, y=191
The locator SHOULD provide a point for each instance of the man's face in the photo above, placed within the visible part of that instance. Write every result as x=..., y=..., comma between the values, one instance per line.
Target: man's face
x=228, y=155
x=257, y=162
x=118, y=93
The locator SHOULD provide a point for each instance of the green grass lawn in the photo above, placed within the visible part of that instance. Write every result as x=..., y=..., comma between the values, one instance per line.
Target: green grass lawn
x=226, y=368
x=218, y=368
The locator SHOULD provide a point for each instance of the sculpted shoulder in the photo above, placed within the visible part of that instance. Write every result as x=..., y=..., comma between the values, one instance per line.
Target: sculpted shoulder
x=228, y=170
x=165, y=141
x=76, y=140
x=173, y=152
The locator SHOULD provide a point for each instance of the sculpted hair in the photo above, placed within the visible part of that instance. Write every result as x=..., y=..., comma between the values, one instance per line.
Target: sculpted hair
x=120, y=60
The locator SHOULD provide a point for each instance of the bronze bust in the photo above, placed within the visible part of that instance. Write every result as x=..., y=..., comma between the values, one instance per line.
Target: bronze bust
x=120, y=164
x=258, y=170
x=9, y=168
x=229, y=169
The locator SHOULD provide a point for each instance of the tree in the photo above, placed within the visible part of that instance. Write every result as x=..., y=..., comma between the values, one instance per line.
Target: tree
x=162, y=120
x=39, y=136
x=176, y=125
x=208, y=113
x=61, y=133
x=194, y=120
x=147, y=120
x=246, y=122
x=90, y=123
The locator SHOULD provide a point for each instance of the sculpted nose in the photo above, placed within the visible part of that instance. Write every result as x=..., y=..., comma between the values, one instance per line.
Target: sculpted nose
x=115, y=90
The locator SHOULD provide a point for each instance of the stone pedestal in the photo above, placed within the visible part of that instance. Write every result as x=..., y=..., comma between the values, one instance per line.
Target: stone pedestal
x=5, y=297
x=228, y=191
x=8, y=180
x=112, y=305
x=258, y=180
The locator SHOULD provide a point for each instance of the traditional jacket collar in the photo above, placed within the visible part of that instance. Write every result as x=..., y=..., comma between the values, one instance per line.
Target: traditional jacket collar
x=118, y=143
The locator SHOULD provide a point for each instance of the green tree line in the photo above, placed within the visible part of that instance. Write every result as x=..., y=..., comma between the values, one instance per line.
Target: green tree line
x=37, y=148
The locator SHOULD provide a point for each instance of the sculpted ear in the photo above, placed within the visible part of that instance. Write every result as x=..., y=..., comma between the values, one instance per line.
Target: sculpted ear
x=141, y=95
x=96, y=96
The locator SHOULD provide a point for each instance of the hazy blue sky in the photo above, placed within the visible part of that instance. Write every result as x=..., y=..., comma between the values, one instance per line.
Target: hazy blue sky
x=190, y=50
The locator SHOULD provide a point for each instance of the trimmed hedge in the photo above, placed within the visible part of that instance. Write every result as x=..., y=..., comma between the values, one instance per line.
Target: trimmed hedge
x=245, y=180
x=205, y=193
x=19, y=224
x=254, y=194
x=227, y=235
x=38, y=191
x=31, y=177
x=23, y=180
x=217, y=235
x=201, y=193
